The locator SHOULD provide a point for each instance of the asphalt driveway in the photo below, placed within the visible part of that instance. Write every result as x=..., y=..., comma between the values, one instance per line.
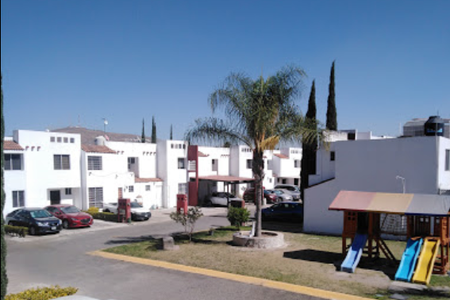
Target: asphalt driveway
x=62, y=259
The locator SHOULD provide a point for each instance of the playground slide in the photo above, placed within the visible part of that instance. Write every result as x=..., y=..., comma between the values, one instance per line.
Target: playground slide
x=409, y=260
x=426, y=261
x=354, y=253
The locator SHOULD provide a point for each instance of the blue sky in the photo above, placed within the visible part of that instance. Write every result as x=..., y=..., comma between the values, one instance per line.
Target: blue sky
x=69, y=63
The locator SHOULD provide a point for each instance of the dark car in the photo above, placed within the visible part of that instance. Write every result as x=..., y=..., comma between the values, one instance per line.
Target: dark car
x=37, y=220
x=70, y=215
x=284, y=211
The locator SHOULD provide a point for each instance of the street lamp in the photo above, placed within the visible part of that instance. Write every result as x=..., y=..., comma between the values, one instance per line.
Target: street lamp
x=403, y=181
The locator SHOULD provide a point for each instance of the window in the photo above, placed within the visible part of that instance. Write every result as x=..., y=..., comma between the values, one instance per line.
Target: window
x=58, y=139
x=68, y=191
x=52, y=139
x=269, y=164
x=297, y=163
x=131, y=163
x=215, y=165
x=61, y=162
x=18, y=198
x=131, y=188
x=249, y=163
x=66, y=140
x=13, y=161
x=95, y=163
x=182, y=188
x=447, y=160
x=147, y=187
x=181, y=163
x=72, y=140
x=96, y=197
x=332, y=155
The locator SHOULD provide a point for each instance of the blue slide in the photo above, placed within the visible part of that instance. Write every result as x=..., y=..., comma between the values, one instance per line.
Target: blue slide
x=409, y=260
x=354, y=253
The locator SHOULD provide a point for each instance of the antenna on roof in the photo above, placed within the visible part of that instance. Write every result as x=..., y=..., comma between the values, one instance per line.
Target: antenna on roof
x=105, y=122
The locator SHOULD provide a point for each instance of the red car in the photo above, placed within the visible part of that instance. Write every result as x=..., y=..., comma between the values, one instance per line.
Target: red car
x=70, y=215
x=249, y=195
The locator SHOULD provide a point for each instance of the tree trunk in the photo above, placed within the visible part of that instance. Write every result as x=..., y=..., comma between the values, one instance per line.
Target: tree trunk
x=258, y=174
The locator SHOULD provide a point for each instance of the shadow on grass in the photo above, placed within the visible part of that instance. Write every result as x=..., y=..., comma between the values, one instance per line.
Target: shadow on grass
x=326, y=257
x=282, y=226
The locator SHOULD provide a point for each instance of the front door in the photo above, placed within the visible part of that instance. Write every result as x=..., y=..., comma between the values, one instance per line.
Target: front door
x=55, y=197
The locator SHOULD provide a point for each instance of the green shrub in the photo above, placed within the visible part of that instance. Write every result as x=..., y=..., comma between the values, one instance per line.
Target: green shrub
x=106, y=216
x=237, y=216
x=188, y=220
x=16, y=230
x=42, y=293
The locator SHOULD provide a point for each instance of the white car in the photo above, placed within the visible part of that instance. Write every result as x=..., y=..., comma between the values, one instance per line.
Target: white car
x=137, y=211
x=221, y=199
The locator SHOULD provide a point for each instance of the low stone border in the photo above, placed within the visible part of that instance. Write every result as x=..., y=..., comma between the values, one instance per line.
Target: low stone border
x=268, y=240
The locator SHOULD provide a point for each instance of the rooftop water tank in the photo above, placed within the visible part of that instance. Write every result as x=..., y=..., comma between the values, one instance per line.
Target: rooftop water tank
x=434, y=126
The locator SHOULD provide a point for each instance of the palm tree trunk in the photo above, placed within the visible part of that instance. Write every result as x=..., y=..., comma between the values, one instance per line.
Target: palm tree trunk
x=258, y=174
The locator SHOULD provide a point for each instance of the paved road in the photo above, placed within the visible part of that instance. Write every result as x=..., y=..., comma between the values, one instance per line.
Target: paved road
x=61, y=259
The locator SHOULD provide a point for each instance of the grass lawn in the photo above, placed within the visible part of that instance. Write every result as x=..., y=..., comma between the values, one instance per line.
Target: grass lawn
x=308, y=260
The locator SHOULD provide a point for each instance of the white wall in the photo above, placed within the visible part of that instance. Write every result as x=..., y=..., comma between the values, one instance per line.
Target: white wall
x=41, y=177
x=372, y=166
x=168, y=152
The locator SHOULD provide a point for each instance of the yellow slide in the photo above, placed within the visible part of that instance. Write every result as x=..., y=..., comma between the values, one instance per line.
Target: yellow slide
x=426, y=261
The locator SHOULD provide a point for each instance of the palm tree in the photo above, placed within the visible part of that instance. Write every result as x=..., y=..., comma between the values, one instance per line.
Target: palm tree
x=260, y=113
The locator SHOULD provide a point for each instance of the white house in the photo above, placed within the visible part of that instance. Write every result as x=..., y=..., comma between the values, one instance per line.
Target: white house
x=416, y=164
x=88, y=168
x=44, y=168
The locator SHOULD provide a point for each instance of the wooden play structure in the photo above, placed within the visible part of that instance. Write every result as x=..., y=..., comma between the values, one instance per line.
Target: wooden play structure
x=414, y=216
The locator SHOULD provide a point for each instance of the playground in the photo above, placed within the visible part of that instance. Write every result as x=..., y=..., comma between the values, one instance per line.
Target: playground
x=422, y=220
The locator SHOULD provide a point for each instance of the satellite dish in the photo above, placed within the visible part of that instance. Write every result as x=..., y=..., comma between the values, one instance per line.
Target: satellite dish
x=105, y=121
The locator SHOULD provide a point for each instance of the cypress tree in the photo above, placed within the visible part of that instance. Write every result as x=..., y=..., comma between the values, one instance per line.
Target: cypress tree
x=171, y=132
x=143, y=132
x=153, y=130
x=331, y=107
x=4, y=278
x=308, y=165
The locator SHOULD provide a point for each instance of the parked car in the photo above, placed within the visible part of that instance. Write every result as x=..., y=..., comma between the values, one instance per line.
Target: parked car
x=37, y=220
x=249, y=196
x=138, y=212
x=290, y=189
x=279, y=195
x=284, y=211
x=70, y=215
x=221, y=199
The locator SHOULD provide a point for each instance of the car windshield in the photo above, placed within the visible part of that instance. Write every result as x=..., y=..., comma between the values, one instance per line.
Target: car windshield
x=70, y=209
x=40, y=213
x=135, y=205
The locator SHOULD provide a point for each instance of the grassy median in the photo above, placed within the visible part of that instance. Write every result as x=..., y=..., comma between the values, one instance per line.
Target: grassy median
x=308, y=260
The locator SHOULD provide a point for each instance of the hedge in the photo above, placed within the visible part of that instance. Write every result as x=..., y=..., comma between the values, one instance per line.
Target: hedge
x=106, y=216
x=16, y=230
x=43, y=293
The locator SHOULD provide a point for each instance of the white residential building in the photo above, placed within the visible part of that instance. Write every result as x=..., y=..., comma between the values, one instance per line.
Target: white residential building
x=45, y=171
x=43, y=168
x=417, y=164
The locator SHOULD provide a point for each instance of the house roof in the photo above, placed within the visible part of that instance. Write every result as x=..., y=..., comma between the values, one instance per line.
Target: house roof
x=391, y=203
x=223, y=178
x=282, y=156
x=97, y=149
x=201, y=154
x=88, y=136
x=11, y=145
x=139, y=180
